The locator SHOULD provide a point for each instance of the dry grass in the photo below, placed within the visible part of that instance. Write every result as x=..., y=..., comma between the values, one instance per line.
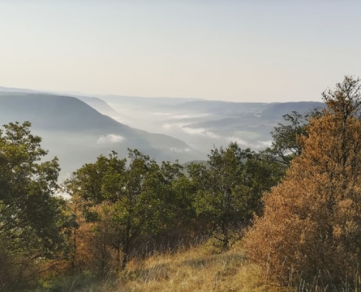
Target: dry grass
x=200, y=268
x=197, y=269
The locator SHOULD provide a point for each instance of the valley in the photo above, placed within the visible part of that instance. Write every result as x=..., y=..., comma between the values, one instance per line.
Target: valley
x=78, y=128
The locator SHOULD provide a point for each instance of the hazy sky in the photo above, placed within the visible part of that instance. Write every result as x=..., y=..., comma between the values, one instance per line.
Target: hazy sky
x=227, y=50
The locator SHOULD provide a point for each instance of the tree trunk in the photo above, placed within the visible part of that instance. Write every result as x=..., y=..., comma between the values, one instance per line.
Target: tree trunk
x=126, y=248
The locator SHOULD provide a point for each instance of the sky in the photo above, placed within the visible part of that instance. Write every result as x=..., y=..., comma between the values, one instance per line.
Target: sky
x=247, y=51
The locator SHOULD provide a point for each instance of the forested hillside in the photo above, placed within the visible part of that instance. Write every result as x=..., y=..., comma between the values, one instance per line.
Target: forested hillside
x=286, y=218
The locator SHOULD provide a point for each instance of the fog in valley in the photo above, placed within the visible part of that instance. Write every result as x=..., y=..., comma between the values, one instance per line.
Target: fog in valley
x=78, y=128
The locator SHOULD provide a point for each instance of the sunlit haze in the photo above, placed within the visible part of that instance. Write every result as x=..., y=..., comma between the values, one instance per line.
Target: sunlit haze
x=221, y=50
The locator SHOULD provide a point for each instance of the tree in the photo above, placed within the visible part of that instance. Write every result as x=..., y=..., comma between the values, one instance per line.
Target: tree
x=312, y=221
x=285, y=145
x=229, y=189
x=28, y=208
x=136, y=194
x=30, y=213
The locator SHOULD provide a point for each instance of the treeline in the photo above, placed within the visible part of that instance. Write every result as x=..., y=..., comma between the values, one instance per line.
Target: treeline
x=297, y=204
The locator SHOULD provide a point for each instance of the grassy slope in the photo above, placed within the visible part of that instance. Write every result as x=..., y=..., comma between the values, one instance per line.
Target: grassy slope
x=197, y=269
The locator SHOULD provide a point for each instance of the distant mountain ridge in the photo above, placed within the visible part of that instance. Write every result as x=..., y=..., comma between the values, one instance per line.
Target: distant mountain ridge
x=54, y=112
x=95, y=102
x=69, y=125
x=80, y=127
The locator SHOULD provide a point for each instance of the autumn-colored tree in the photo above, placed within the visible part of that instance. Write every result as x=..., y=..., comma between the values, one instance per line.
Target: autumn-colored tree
x=311, y=228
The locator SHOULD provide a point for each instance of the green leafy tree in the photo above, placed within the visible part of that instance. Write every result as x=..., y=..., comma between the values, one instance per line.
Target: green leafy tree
x=229, y=188
x=30, y=213
x=137, y=193
x=286, y=145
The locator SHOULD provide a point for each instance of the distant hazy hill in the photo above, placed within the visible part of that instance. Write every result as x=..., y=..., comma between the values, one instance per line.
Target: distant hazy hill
x=54, y=112
x=222, y=107
x=95, y=102
x=273, y=109
x=231, y=117
x=77, y=133
x=98, y=104
x=205, y=124
x=78, y=129
x=145, y=101
x=276, y=110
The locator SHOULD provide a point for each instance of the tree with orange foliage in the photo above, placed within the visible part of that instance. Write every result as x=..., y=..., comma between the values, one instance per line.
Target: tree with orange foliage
x=311, y=228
